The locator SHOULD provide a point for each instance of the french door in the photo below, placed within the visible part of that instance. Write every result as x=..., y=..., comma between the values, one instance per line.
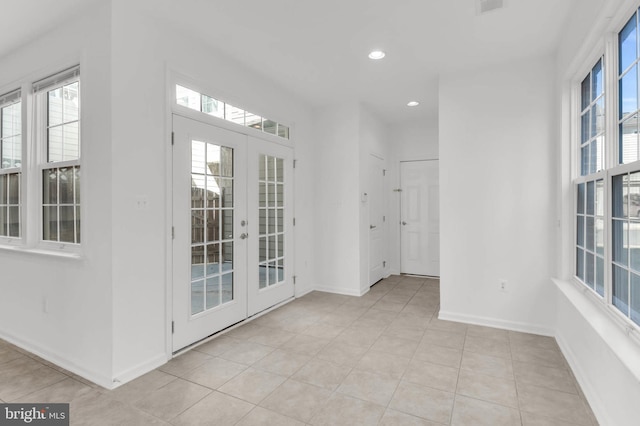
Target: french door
x=232, y=238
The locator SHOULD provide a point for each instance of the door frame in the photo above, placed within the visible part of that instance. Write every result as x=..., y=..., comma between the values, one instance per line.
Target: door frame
x=173, y=77
x=398, y=229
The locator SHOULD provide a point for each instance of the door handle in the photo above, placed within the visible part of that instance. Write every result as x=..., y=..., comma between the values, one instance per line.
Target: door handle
x=244, y=236
x=372, y=226
x=403, y=223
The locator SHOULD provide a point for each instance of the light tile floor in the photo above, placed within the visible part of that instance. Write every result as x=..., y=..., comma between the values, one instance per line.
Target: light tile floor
x=325, y=359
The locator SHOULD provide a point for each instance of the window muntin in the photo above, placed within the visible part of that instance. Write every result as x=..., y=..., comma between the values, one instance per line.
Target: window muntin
x=629, y=143
x=625, y=290
x=59, y=100
x=592, y=121
x=10, y=164
x=10, y=208
x=208, y=105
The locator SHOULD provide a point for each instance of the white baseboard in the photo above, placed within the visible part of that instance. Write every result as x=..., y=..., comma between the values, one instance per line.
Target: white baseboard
x=497, y=323
x=57, y=359
x=137, y=371
x=583, y=379
x=303, y=292
x=344, y=291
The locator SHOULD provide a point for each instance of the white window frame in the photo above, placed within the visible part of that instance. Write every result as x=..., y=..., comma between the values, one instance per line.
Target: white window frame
x=612, y=167
x=12, y=240
x=39, y=157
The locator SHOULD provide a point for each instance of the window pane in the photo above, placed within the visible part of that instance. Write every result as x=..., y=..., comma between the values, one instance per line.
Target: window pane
x=620, y=289
x=283, y=131
x=226, y=191
x=197, y=262
x=70, y=102
x=226, y=257
x=586, y=91
x=580, y=231
x=213, y=192
x=13, y=223
x=580, y=200
x=66, y=185
x=585, y=134
x=212, y=106
x=227, y=224
x=591, y=197
x=197, y=191
x=253, y=120
x=213, y=226
x=197, y=226
x=599, y=236
x=634, y=245
x=213, y=292
x=71, y=146
x=3, y=189
x=50, y=223
x=589, y=270
x=213, y=259
x=187, y=97
x=600, y=276
x=76, y=172
x=13, y=191
x=213, y=159
x=67, y=224
x=590, y=236
x=619, y=240
x=198, y=157
x=227, y=287
x=78, y=240
x=54, y=108
x=233, y=114
x=226, y=162
x=635, y=298
x=599, y=116
x=628, y=44
x=50, y=186
x=600, y=197
x=270, y=126
x=54, y=144
x=629, y=92
x=584, y=161
x=619, y=196
x=596, y=81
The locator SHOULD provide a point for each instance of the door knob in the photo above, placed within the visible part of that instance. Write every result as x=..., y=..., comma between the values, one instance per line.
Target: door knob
x=244, y=236
x=372, y=226
x=404, y=223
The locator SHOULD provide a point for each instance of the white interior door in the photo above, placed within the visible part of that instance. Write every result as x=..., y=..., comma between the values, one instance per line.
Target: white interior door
x=209, y=253
x=420, y=218
x=233, y=236
x=270, y=224
x=377, y=219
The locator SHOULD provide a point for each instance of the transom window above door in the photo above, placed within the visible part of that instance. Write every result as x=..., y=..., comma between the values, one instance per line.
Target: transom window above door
x=217, y=108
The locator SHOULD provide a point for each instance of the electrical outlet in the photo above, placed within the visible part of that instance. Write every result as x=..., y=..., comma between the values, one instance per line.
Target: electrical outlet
x=503, y=286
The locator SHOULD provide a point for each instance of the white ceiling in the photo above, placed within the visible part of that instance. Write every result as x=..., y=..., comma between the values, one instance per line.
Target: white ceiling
x=318, y=49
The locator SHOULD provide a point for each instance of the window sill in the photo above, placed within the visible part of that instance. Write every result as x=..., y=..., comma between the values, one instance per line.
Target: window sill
x=41, y=252
x=623, y=339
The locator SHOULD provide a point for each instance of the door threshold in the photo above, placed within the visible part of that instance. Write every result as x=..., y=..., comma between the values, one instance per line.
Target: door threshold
x=437, y=277
x=230, y=328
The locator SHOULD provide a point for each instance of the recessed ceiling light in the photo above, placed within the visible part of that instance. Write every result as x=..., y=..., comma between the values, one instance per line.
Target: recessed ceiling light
x=413, y=103
x=376, y=54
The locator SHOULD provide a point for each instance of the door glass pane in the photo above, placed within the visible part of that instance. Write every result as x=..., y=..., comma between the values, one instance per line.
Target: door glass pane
x=271, y=249
x=211, y=259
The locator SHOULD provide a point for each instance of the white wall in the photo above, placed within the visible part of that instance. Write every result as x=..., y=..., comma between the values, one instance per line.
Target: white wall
x=497, y=171
x=337, y=198
x=144, y=50
x=75, y=333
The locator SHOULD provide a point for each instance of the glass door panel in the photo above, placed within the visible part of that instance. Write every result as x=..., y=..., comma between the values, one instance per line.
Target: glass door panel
x=270, y=170
x=209, y=289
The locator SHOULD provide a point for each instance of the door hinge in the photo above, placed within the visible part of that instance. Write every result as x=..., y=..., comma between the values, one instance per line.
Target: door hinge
x=397, y=190
x=294, y=280
x=173, y=233
x=173, y=135
x=294, y=221
x=294, y=163
x=384, y=172
x=173, y=327
x=384, y=218
x=384, y=263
